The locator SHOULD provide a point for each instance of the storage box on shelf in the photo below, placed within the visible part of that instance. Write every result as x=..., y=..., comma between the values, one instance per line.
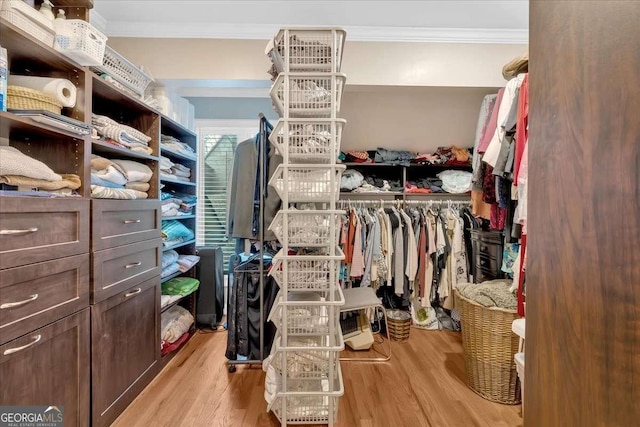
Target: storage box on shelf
x=80, y=41
x=123, y=71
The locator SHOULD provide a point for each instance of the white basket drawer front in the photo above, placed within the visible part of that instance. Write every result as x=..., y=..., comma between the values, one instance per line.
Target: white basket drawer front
x=307, y=183
x=308, y=141
x=308, y=50
x=307, y=228
x=308, y=95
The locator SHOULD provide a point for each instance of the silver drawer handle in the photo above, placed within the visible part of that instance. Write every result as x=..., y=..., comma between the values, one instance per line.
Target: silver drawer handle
x=131, y=221
x=35, y=341
x=19, y=303
x=15, y=232
x=132, y=293
x=133, y=264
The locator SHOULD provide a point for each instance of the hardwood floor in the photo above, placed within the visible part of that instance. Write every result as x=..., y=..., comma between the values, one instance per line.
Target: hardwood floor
x=422, y=385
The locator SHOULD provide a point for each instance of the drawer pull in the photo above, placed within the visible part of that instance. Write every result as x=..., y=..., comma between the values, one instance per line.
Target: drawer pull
x=133, y=264
x=17, y=232
x=35, y=341
x=131, y=221
x=19, y=303
x=132, y=293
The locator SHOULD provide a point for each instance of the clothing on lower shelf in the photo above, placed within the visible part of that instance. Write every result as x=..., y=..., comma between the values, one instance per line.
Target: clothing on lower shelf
x=172, y=143
x=175, y=322
x=122, y=134
x=177, y=204
x=180, y=286
x=174, y=231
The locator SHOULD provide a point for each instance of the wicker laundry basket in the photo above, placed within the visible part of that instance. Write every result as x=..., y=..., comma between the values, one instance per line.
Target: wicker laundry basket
x=399, y=325
x=24, y=98
x=489, y=346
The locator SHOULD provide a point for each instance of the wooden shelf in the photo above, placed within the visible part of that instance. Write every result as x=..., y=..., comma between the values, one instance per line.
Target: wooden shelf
x=103, y=147
x=179, y=245
x=178, y=182
x=175, y=154
x=167, y=218
x=176, y=128
x=26, y=52
x=105, y=90
x=10, y=123
x=74, y=3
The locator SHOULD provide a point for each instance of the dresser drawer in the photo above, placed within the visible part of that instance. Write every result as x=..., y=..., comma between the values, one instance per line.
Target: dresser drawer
x=50, y=367
x=38, y=294
x=117, y=269
x=122, y=222
x=34, y=229
x=488, y=263
x=490, y=250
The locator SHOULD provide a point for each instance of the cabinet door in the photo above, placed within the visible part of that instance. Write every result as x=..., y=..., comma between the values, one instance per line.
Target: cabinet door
x=50, y=367
x=125, y=348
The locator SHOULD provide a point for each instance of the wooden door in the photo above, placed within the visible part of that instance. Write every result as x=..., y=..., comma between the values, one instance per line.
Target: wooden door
x=582, y=355
x=50, y=367
x=125, y=348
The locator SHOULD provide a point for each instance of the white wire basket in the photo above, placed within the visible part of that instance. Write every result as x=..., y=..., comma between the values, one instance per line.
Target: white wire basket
x=308, y=140
x=299, y=95
x=308, y=49
x=123, y=71
x=319, y=407
x=307, y=228
x=80, y=41
x=307, y=358
x=306, y=273
x=307, y=183
x=39, y=32
x=308, y=314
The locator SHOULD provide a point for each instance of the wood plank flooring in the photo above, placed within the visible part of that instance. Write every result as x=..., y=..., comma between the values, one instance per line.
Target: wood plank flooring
x=423, y=385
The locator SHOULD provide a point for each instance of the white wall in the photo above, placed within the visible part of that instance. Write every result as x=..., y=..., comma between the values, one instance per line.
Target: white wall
x=365, y=63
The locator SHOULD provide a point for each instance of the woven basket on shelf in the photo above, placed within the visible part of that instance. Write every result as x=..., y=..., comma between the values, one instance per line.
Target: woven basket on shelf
x=24, y=98
x=399, y=325
x=489, y=346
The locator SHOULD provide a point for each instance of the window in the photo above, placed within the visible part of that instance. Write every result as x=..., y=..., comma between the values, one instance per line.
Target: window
x=217, y=141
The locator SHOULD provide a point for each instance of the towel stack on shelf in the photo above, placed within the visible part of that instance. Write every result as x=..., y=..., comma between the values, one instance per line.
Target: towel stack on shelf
x=303, y=381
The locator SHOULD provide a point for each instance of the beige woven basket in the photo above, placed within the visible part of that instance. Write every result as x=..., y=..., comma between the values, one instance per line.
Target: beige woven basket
x=399, y=325
x=489, y=346
x=24, y=98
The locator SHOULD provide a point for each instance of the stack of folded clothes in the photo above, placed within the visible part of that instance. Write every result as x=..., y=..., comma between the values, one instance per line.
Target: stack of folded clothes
x=28, y=174
x=119, y=179
x=175, y=325
x=175, y=144
x=121, y=135
x=174, y=232
x=354, y=181
x=171, y=170
x=177, y=204
x=452, y=156
x=424, y=185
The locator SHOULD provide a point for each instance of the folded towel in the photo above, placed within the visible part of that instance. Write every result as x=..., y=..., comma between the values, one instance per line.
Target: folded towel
x=137, y=185
x=96, y=180
x=186, y=262
x=99, y=192
x=111, y=174
x=136, y=171
x=141, y=148
x=99, y=163
x=118, y=132
x=169, y=257
x=174, y=323
x=165, y=163
x=180, y=173
x=13, y=162
x=169, y=270
x=69, y=181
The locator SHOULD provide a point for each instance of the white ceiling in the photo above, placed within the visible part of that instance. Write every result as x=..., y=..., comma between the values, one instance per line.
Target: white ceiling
x=448, y=20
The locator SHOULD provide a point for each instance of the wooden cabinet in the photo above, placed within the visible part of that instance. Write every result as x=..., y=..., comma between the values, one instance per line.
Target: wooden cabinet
x=125, y=348
x=36, y=229
x=35, y=295
x=122, y=222
x=50, y=367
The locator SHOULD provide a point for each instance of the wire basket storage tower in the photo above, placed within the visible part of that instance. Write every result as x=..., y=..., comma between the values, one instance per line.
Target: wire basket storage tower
x=304, y=362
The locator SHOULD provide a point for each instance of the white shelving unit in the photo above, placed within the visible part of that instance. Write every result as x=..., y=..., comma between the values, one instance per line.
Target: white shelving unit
x=304, y=360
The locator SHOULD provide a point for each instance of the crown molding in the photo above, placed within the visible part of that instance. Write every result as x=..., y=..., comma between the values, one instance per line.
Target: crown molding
x=98, y=21
x=266, y=31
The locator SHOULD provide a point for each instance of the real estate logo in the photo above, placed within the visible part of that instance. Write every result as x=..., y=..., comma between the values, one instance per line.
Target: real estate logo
x=31, y=416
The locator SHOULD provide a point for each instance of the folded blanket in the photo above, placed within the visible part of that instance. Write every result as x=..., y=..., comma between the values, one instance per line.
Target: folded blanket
x=96, y=180
x=136, y=171
x=168, y=347
x=169, y=257
x=111, y=174
x=175, y=229
x=180, y=286
x=141, y=148
x=174, y=323
x=492, y=293
x=180, y=173
x=170, y=212
x=181, y=168
x=124, y=134
x=170, y=269
x=101, y=163
x=165, y=300
x=69, y=181
x=13, y=162
x=163, y=174
x=99, y=192
x=187, y=262
x=165, y=163
x=137, y=185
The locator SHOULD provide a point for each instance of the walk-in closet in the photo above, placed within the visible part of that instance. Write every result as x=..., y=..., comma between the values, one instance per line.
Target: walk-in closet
x=343, y=214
